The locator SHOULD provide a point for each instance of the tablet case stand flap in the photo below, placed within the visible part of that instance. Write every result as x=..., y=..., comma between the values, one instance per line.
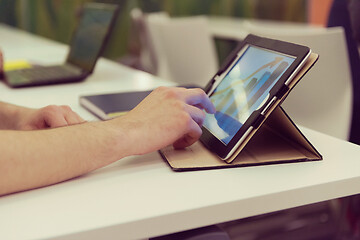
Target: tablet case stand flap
x=277, y=140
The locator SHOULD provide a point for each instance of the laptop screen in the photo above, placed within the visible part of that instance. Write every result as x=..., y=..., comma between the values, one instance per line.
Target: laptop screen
x=90, y=36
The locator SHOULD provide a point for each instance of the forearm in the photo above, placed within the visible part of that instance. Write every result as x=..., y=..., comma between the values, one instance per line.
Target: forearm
x=31, y=159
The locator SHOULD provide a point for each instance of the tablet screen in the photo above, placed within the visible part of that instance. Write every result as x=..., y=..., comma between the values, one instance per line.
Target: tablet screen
x=243, y=90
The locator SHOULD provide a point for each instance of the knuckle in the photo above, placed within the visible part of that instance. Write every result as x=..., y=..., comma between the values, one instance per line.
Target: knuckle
x=66, y=108
x=160, y=89
x=170, y=93
x=50, y=109
x=166, y=92
x=200, y=91
x=179, y=105
x=185, y=120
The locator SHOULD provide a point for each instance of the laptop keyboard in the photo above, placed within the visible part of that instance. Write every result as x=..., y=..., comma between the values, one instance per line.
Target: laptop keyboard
x=45, y=73
x=50, y=74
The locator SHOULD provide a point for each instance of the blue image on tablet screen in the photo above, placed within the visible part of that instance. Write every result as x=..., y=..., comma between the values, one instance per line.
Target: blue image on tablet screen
x=243, y=90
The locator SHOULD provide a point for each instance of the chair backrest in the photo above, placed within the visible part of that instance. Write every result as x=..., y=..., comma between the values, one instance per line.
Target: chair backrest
x=153, y=22
x=345, y=14
x=148, y=55
x=185, y=50
x=323, y=99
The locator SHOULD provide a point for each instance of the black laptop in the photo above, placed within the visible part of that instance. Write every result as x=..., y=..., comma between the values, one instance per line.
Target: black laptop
x=86, y=46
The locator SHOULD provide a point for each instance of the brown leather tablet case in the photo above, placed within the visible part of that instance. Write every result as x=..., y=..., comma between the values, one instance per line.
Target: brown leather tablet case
x=276, y=140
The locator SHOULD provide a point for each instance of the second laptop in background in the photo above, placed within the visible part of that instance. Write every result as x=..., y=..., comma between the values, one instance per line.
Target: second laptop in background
x=87, y=44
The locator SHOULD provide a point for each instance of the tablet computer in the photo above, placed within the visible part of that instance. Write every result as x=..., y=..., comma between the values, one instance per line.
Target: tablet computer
x=245, y=89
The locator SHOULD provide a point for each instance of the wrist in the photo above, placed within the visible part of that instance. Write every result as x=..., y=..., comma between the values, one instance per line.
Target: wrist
x=127, y=136
x=10, y=116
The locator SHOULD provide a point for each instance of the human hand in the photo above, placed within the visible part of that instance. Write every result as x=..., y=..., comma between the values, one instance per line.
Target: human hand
x=167, y=116
x=51, y=116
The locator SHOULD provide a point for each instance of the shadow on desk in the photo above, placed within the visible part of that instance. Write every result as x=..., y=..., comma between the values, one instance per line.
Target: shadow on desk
x=213, y=232
x=131, y=164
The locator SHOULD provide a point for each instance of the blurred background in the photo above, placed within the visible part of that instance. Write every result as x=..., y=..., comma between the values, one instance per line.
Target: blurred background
x=336, y=219
x=55, y=19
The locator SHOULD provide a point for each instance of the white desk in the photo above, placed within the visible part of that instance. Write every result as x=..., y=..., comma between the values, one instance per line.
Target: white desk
x=139, y=197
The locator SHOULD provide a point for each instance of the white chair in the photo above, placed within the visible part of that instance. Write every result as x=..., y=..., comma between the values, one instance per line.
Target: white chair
x=323, y=98
x=148, y=56
x=184, y=48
